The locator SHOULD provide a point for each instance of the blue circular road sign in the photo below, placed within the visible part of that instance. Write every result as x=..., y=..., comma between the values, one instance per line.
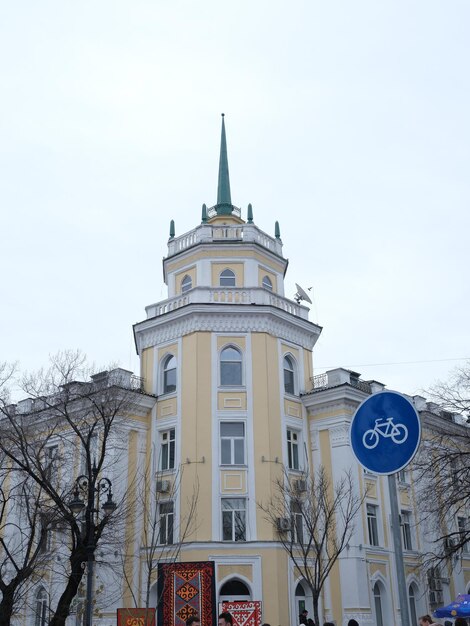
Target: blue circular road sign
x=385, y=432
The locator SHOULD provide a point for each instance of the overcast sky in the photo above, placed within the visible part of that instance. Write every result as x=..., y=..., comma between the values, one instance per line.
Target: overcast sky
x=346, y=121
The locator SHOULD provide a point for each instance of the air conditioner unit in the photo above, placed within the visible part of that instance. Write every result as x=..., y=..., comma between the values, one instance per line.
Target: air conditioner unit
x=300, y=485
x=163, y=486
x=283, y=524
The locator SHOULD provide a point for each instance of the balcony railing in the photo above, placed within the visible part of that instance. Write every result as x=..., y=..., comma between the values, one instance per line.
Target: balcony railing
x=231, y=296
x=224, y=232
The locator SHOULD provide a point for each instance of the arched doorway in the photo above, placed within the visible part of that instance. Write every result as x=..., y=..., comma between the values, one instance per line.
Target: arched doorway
x=413, y=603
x=380, y=604
x=303, y=600
x=234, y=590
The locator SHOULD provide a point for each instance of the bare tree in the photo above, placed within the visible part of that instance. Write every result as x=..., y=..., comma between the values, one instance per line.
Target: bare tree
x=69, y=420
x=442, y=468
x=314, y=524
x=25, y=523
x=163, y=531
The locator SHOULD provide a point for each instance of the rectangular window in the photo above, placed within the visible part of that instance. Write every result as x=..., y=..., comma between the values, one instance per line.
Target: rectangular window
x=233, y=519
x=403, y=477
x=232, y=443
x=372, y=525
x=406, y=530
x=293, y=449
x=297, y=522
x=52, y=453
x=45, y=537
x=462, y=523
x=167, y=449
x=165, y=511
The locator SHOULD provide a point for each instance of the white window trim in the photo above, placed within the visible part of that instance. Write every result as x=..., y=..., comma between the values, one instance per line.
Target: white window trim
x=295, y=376
x=300, y=444
x=378, y=519
x=233, y=420
x=161, y=382
x=161, y=431
x=219, y=363
x=173, y=515
x=233, y=497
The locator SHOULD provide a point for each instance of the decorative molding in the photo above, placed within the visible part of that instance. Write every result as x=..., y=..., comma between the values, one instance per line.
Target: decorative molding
x=339, y=435
x=234, y=486
x=242, y=320
x=293, y=410
x=315, y=439
x=232, y=403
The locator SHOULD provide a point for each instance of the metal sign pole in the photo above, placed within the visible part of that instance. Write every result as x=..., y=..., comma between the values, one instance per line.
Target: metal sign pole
x=397, y=545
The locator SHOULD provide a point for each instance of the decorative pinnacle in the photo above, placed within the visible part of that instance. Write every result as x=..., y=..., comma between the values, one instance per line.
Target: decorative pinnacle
x=172, y=229
x=250, y=214
x=223, y=189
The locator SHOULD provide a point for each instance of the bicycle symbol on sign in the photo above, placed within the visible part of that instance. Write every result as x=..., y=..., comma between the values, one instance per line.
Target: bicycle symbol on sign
x=385, y=428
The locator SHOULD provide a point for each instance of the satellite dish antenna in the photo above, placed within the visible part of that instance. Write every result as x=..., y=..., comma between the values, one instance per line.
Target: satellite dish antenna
x=301, y=295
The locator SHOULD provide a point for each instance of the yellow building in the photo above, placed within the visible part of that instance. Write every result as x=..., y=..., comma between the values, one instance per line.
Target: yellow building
x=228, y=356
x=230, y=359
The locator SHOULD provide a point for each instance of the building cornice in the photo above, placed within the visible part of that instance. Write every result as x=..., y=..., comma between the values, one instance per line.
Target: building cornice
x=225, y=319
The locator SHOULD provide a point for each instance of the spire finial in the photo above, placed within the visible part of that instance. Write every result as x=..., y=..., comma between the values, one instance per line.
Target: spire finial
x=223, y=188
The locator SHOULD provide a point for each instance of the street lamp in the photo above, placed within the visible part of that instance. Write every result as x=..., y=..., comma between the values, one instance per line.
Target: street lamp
x=92, y=492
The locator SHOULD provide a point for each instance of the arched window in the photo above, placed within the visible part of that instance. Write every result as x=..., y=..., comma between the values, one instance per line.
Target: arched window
x=186, y=284
x=227, y=278
x=289, y=375
x=41, y=608
x=267, y=284
x=230, y=367
x=378, y=605
x=412, y=601
x=169, y=374
x=234, y=590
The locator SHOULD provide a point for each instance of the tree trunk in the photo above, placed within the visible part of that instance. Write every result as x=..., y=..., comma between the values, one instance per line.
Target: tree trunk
x=6, y=606
x=74, y=579
x=316, y=616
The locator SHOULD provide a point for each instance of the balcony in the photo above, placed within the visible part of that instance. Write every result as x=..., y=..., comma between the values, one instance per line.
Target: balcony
x=227, y=296
x=208, y=233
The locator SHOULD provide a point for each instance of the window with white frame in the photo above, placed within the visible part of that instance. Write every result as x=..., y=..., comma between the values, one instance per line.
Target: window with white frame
x=234, y=519
x=406, y=530
x=372, y=524
x=167, y=449
x=45, y=535
x=267, y=284
x=227, y=278
x=403, y=477
x=186, y=284
x=231, y=367
x=232, y=443
x=293, y=441
x=462, y=523
x=378, y=605
x=169, y=374
x=289, y=374
x=297, y=522
x=166, y=521
x=41, y=608
x=52, y=454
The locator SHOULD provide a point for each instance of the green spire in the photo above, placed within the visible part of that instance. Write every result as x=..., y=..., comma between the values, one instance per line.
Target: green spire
x=277, y=230
x=172, y=229
x=250, y=214
x=204, y=214
x=224, y=199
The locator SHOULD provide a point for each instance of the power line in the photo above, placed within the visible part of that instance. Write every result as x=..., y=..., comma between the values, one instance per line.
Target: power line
x=464, y=358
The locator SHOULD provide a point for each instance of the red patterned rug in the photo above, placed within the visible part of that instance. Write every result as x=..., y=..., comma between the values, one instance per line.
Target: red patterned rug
x=244, y=613
x=186, y=589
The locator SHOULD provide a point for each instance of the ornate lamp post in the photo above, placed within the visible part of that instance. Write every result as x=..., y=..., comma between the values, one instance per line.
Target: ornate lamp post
x=92, y=491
